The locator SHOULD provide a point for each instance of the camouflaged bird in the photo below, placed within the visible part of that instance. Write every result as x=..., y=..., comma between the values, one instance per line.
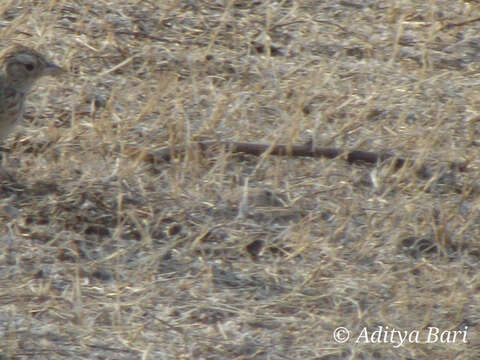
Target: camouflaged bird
x=20, y=68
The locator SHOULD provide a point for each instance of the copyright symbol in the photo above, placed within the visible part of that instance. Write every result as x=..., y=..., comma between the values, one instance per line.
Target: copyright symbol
x=341, y=335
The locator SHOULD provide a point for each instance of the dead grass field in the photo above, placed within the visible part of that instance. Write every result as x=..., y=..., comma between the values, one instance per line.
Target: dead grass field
x=104, y=256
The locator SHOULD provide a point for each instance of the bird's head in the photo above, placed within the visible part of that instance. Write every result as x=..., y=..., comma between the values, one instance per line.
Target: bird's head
x=23, y=66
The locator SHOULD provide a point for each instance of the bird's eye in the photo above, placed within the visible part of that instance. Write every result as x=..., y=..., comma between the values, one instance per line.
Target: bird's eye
x=29, y=67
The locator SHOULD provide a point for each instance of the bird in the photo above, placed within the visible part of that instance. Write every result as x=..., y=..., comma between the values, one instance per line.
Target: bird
x=20, y=68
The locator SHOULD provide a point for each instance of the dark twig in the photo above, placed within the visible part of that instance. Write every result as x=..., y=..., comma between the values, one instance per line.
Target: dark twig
x=466, y=22
x=355, y=156
x=306, y=150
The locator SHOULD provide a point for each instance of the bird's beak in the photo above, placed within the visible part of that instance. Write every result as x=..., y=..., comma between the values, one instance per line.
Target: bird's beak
x=53, y=69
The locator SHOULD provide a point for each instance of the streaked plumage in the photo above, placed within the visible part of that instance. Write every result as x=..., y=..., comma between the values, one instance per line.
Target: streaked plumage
x=21, y=67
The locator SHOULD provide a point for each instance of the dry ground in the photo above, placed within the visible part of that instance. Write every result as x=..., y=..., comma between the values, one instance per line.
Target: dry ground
x=104, y=256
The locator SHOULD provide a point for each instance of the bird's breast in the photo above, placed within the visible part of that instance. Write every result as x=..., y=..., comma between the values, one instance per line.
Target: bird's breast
x=11, y=109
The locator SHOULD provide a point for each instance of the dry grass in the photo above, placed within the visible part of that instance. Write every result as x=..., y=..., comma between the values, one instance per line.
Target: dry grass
x=106, y=257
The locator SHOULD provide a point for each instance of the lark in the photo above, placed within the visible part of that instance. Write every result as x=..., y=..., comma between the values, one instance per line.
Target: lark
x=20, y=68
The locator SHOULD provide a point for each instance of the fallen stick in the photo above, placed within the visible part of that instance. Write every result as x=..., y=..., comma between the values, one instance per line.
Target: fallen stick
x=306, y=150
